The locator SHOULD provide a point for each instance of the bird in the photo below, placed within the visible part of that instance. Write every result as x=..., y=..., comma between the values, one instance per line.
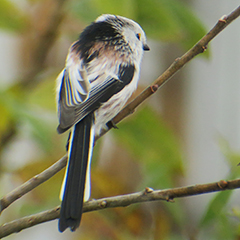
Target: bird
x=101, y=72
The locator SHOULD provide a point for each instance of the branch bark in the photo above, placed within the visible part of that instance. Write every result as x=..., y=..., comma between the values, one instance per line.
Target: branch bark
x=125, y=200
x=32, y=183
x=198, y=48
x=146, y=195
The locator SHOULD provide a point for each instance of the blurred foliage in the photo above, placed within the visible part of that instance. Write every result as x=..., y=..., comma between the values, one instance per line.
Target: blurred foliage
x=147, y=138
x=47, y=194
x=165, y=20
x=23, y=111
x=145, y=151
x=151, y=142
x=218, y=215
x=11, y=18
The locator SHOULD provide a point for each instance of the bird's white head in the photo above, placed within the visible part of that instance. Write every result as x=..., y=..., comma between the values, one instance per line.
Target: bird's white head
x=131, y=32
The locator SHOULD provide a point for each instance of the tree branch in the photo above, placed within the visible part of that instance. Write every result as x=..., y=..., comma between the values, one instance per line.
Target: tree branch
x=198, y=48
x=176, y=65
x=120, y=201
x=32, y=183
x=125, y=200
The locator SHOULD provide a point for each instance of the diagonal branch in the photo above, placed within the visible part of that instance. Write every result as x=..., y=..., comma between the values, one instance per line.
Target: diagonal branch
x=120, y=201
x=198, y=48
x=148, y=194
x=32, y=183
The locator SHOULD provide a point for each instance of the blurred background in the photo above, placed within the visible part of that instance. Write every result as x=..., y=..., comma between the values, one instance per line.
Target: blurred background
x=187, y=133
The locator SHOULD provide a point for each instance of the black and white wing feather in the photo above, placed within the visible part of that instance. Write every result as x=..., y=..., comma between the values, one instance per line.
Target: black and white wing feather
x=79, y=96
x=101, y=73
x=74, y=88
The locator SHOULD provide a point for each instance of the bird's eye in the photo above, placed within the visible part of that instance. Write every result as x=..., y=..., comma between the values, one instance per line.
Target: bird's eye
x=138, y=35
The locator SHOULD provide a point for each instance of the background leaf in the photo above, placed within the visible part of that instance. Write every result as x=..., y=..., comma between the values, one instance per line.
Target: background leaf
x=165, y=20
x=217, y=212
x=147, y=137
x=152, y=143
x=11, y=18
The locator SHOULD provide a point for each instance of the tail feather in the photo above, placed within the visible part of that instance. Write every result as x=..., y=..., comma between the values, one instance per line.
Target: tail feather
x=80, y=151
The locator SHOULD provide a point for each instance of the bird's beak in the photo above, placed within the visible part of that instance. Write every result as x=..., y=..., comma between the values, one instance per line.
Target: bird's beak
x=146, y=47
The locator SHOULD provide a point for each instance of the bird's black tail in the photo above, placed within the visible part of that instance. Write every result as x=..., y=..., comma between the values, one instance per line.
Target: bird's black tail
x=79, y=152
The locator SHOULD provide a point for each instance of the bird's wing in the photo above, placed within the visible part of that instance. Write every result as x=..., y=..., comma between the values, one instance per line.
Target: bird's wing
x=77, y=97
x=73, y=89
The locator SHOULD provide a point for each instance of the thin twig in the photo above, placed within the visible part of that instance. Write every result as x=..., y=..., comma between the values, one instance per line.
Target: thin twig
x=177, y=64
x=125, y=200
x=32, y=183
x=120, y=201
x=198, y=48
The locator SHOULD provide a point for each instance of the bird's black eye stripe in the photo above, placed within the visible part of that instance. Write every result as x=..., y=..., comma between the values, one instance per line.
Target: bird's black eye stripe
x=138, y=35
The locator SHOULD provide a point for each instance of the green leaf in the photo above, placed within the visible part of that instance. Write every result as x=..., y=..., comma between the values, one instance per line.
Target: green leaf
x=40, y=129
x=226, y=228
x=150, y=140
x=84, y=10
x=44, y=94
x=216, y=207
x=11, y=104
x=232, y=157
x=191, y=27
x=124, y=7
x=11, y=18
x=21, y=111
x=218, y=203
x=222, y=228
x=91, y=9
x=170, y=20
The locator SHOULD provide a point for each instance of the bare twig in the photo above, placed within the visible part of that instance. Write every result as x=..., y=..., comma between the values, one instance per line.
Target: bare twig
x=120, y=201
x=198, y=48
x=125, y=200
x=32, y=183
x=178, y=63
x=26, y=222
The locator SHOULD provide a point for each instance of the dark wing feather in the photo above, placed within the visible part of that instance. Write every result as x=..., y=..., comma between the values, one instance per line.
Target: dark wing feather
x=107, y=86
x=80, y=148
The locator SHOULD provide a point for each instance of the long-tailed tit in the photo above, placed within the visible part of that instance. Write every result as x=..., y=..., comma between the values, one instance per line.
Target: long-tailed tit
x=101, y=72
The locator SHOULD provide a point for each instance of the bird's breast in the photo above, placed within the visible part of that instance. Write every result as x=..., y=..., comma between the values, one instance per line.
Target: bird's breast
x=113, y=106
